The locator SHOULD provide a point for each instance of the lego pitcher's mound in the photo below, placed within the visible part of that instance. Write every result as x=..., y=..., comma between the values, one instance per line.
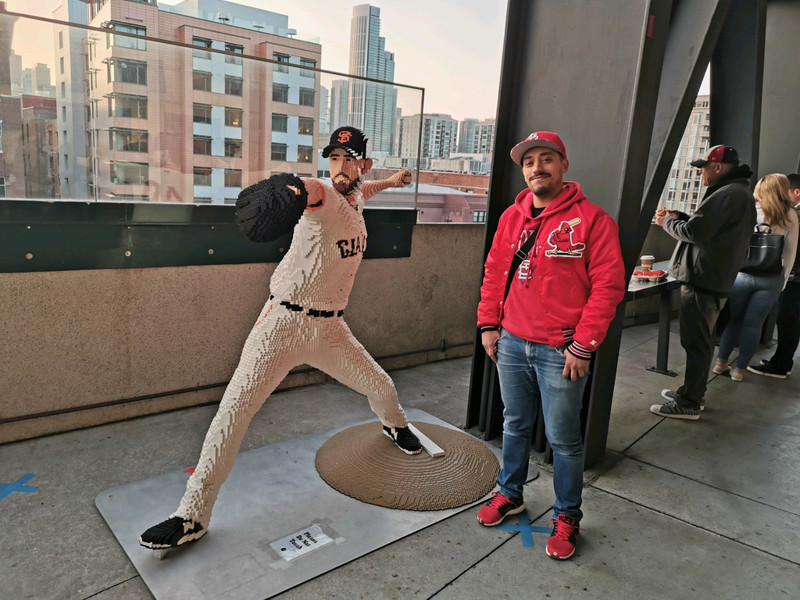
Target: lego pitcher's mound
x=361, y=462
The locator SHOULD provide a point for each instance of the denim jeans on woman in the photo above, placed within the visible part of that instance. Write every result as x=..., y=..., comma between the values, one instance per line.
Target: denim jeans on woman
x=750, y=300
x=529, y=371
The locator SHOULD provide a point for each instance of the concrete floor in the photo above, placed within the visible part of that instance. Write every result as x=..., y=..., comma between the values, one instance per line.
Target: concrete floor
x=677, y=509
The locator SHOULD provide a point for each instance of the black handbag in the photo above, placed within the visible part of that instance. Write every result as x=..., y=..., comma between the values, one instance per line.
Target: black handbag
x=764, y=253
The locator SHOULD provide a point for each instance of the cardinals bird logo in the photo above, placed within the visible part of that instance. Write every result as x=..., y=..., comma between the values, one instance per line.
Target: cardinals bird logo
x=561, y=240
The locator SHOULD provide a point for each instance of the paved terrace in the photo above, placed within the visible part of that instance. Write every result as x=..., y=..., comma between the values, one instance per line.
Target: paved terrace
x=677, y=509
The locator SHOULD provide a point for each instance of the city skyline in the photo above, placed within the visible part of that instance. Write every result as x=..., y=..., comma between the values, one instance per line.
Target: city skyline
x=453, y=50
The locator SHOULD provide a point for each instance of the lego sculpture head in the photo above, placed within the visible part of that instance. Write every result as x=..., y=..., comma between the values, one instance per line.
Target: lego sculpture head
x=347, y=158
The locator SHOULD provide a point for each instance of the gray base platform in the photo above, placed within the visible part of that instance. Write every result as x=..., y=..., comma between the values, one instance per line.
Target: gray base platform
x=276, y=524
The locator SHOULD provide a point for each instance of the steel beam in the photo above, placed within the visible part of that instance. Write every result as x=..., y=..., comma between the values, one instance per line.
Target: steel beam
x=737, y=67
x=591, y=72
x=779, y=149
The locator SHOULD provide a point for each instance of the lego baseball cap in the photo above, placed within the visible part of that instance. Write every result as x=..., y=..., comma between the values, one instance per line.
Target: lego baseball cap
x=349, y=139
x=538, y=139
x=718, y=154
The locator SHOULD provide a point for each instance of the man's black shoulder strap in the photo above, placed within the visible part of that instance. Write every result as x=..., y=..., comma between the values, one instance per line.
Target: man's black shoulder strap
x=520, y=255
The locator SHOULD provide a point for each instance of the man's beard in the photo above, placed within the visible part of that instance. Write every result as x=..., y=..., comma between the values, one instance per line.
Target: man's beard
x=352, y=184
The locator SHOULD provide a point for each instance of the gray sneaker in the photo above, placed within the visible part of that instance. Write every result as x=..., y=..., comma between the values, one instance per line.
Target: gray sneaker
x=673, y=395
x=673, y=410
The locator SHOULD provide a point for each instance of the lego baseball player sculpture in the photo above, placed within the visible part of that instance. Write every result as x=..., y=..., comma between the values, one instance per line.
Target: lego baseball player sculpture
x=301, y=321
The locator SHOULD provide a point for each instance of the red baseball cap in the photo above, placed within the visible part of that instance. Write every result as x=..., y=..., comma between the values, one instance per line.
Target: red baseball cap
x=718, y=154
x=538, y=139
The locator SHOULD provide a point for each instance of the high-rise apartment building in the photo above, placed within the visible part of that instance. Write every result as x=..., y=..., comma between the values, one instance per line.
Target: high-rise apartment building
x=40, y=147
x=196, y=123
x=70, y=46
x=684, y=188
x=339, y=103
x=15, y=69
x=12, y=175
x=476, y=136
x=439, y=137
x=371, y=106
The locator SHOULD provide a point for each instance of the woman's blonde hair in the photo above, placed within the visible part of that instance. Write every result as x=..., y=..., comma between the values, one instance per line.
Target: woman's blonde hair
x=772, y=195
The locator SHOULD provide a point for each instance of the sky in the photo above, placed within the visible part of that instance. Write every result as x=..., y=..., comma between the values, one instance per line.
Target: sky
x=452, y=48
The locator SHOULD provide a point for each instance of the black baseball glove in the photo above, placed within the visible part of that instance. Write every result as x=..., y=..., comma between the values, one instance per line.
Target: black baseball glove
x=268, y=209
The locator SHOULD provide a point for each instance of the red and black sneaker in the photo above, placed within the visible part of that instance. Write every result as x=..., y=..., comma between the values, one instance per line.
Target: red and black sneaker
x=561, y=544
x=498, y=508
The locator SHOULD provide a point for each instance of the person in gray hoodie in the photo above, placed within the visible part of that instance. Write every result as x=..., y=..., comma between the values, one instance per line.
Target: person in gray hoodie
x=712, y=244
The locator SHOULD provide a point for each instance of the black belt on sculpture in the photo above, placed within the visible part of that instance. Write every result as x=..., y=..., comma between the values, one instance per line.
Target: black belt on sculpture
x=312, y=312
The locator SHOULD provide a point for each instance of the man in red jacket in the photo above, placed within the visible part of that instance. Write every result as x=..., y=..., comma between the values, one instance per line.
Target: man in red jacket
x=544, y=332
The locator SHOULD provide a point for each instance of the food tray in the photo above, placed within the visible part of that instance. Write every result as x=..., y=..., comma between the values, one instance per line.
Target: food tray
x=649, y=279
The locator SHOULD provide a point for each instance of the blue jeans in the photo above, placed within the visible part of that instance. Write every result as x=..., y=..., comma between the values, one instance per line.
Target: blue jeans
x=528, y=372
x=750, y=300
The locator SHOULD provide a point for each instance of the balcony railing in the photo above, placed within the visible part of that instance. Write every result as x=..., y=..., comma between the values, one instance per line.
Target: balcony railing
x=119, y=119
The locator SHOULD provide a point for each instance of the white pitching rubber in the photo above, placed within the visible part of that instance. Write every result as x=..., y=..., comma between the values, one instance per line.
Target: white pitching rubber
x=430, y=447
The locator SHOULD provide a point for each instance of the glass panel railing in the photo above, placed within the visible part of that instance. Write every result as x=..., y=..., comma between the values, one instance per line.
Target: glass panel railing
x=105, y=113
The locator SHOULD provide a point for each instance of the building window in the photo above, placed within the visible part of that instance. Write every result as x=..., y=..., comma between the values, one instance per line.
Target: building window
x=479, y=216
x=199, y=200
x=61, y=64
x=304, y=154
x=233, y=178
x=281, y=58
x=63, y=89
x=278, y=151
x=280, y=92
x=236, y=49
x=233, y=85
x=201, y=113
x=305, y=126
x=306, y=97
x=307, y=62
x=127, y=140
x=127, y=71
x=202, y=175
x=233, y=117
x=233, y=148
x=60, y=39
x=201, y=144
x=201, y=81
x=124, y=41
x=64, y=113
x=129, y=172
x=127, y=105
x=280, y=122
x=201, y=43
x=2, y=187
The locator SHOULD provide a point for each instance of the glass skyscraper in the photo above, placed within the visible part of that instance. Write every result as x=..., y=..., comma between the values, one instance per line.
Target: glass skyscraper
x=371, y=106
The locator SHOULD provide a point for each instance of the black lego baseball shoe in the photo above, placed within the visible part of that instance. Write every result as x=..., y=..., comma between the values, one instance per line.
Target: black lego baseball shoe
x=172, y=533
x=403, y=439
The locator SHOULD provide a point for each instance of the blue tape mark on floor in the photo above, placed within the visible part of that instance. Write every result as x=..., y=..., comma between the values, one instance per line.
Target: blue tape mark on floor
x=18, y=486
x=525, y=529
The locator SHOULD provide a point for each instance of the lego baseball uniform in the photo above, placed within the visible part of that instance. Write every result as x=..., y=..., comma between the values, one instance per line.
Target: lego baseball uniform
x=302, y=322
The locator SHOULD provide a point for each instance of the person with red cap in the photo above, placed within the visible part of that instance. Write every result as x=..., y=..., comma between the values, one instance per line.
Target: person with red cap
x=542, y=322
x=301, y=321
x=712, y=244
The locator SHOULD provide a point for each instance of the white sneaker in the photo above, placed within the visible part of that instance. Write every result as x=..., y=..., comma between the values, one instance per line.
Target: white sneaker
x=720, y=368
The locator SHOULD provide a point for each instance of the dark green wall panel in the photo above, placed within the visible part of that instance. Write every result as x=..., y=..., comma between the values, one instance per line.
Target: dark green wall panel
x=60, y=236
